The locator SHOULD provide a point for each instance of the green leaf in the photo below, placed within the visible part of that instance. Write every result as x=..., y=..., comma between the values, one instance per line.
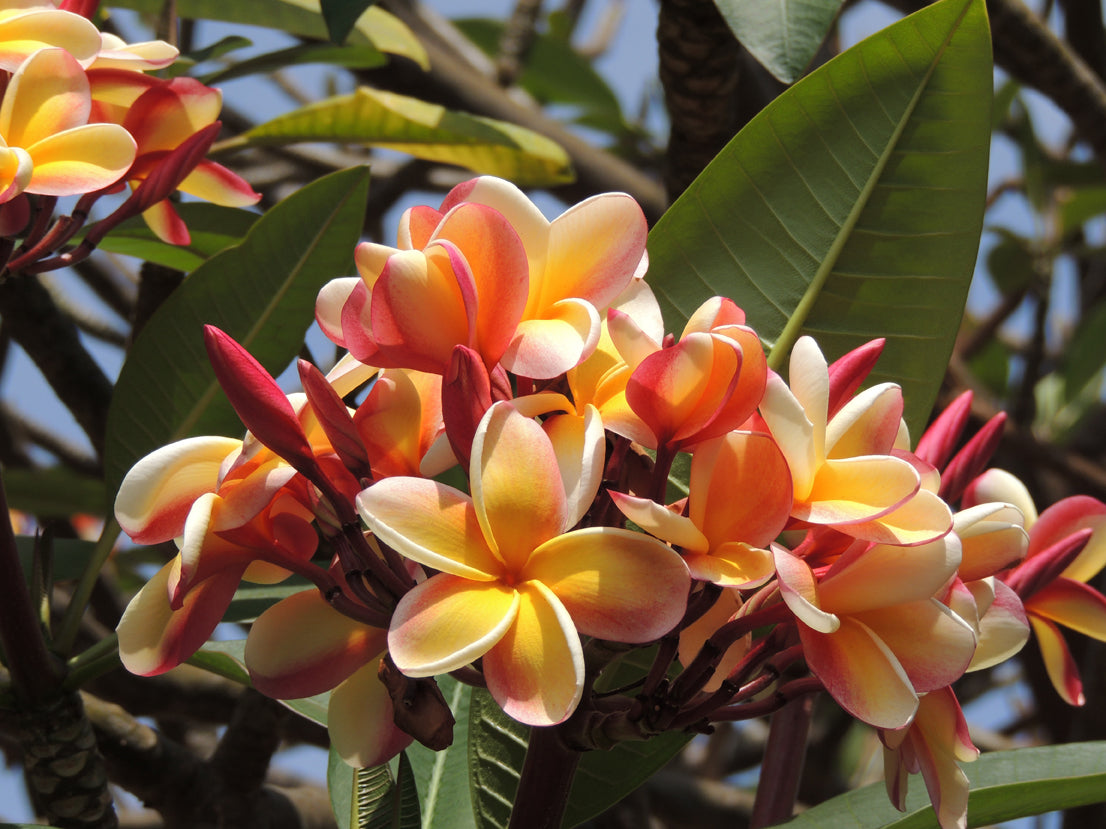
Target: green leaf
x=1006, y=785
x=261, y=292
x=372, y=798
x=221, y=47
x=225, y=657
x=53, y=492
x=851, y=207
x=375, y=27
x=71, y=555
x=443, y=776
x=212, y=228
x=1010, y=263
x=1084, y=357
x=784, y=35
x=351, y=57
x=251, y=600
x=1079, y=205
x=341, y=16
x=497, y=747
x=424, y=130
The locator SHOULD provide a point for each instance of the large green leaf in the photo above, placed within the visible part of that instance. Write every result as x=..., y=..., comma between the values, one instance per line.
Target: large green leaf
x=851, y=207
x=53, y=492
x=425, y=130
x=261, y=292
x=375, y=27
x=342, y=15
x=1006, y=785
x=784, y=35
x=372, y=798
x=443, y=776
x=497, y=748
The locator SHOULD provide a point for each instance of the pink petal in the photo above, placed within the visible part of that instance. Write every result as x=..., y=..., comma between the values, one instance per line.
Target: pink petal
x=861, y=673
x=157, y=493
x=1072, y=604
x=1066, y=517
x=1003, y=629
x=301, y=646
x=446, y=622
x=887, y=575
x=360, y=719
x=1061, y=667
x=329, y=304
x=849, y=371
x=548, y=346
x=536, y=670
x=616, y=584
x=153, y=638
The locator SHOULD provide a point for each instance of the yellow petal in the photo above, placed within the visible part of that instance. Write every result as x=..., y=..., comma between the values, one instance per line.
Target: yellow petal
x=49, y=93
x=887, y=575
x=360, y=720
x=80, y=160
x=447, y=622
x=536, y=671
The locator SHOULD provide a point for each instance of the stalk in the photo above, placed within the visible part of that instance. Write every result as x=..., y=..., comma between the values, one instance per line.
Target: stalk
x=546, y=780
x=782, y=767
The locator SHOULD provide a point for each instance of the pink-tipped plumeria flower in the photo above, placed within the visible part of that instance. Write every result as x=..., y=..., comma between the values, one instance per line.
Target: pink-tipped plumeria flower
x=872, y=629
x=162, y=118
x=579, y=264
x=932, y=744
x=115, y=53
x=739, y=501
x=516, y=585
x=1067, y=548
x=706, y=384
x=463, y=284
x=301, y=646
x=27, y=27
x=47, y=146
x=847, y=466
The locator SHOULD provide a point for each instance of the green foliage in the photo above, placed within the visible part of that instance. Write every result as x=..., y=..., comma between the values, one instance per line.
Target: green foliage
x=1006, y=785
x=442, y=776
x=351, y=57
x=497, y=748
x=784, y=35
x=424, y=130
x=212, y=229
x=54, y=492
x=372, y=798
x=341, y=16
x=851, y=207
x=261, y=292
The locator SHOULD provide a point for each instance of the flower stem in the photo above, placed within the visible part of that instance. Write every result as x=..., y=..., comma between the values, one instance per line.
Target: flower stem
x=782, y=767
x=545, y=782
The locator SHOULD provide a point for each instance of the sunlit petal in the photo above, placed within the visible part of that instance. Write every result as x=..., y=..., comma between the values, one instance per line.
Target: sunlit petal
x=616, y=584
x=861, y=673
x=536, y=670
x=1003, y=629
x=733, y=564
x=1061, y=667
x=993, y=539
x=579, y=445
x=446, y=622
x=888, y=575
x=1066, y=517
x=1072, y=604
x=851, y=490
x=794, y=433
x=301, y=646
x=800, y=592
x=867, y=424
x=430, y=523
x=549, y=346
x=662, y=522
x=923, y=518
x=516, y=514
x=157, y=493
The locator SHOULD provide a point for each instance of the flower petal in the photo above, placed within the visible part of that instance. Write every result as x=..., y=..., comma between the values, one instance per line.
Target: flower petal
x=549, y=346
x=80, y=160
x=1061, y=667
x=430, y=523
x=887, y=575
x=516, y=484
x=447, y=622
x=153, y=638
x=800, y=592
x=861, y=673
x=536, y=671
x=851, y=490
x=156, y=495
x=301, y=646
x=1072, y=604
x=1003, y=629
x=662, y=522
x=733, y=564
x=580, y=447
x=361, y=723
x=616, y=584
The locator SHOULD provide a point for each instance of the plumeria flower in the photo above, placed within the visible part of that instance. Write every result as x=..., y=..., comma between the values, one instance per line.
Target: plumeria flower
x=161, y=119
x=463, y=284
x=872, y=629
x=301, y=646
x=932, y=744
x=47, y=146
x=516, y=584
x=848, y=469
x=1067, y=548
x=579, y=264
x=706, y=384
x=725, y=535
x=27, y=27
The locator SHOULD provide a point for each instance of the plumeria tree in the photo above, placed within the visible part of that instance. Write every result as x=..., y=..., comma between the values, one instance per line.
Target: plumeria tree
x=546, y=480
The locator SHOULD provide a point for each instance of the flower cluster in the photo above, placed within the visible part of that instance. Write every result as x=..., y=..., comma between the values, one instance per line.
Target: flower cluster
x=814, y=549
x=81, y=115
